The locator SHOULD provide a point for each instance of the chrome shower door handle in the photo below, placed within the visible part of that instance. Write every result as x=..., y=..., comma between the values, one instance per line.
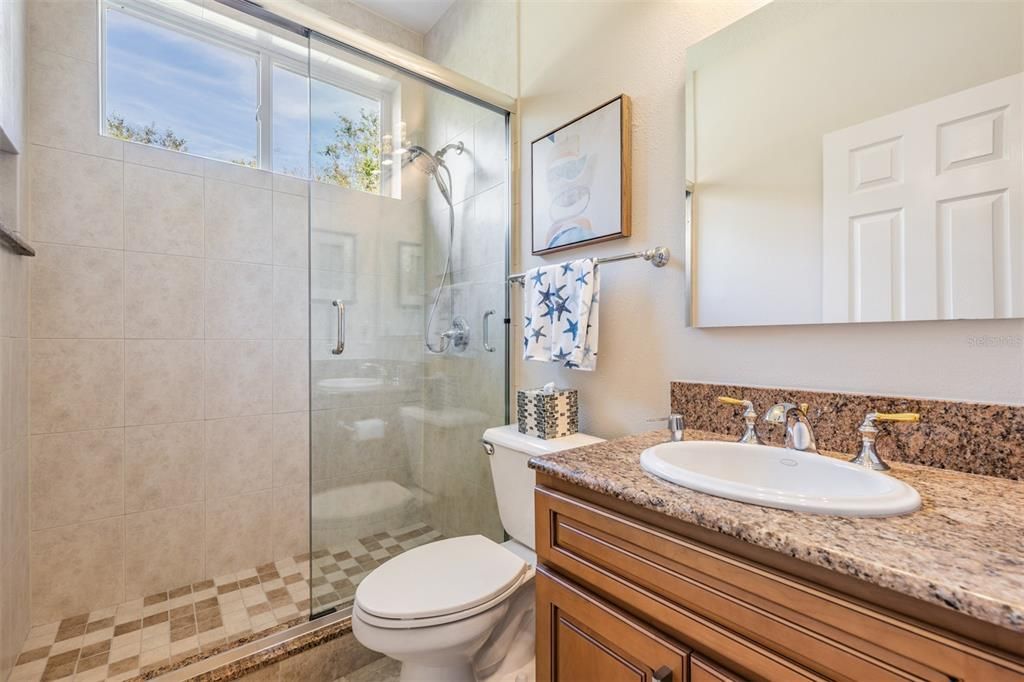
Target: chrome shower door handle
x=487, y=332
x=339, y=347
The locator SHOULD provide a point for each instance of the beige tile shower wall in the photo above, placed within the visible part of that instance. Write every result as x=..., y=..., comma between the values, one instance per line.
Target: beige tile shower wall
x=14, y=345
x=168, y=365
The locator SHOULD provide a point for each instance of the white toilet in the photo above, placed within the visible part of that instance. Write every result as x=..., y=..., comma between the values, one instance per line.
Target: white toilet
x=461, y=609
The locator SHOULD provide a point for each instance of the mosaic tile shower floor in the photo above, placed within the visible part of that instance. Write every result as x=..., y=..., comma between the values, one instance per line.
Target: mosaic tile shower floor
x=192, y=622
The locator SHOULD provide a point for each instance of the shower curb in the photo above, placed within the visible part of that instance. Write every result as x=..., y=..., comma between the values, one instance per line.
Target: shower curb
x=239, y=661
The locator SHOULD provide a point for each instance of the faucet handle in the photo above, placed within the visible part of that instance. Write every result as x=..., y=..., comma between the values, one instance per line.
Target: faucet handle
x=749, y=419
x=726, y=400
x=868, y=456
x=897, y=417
x=868, y=425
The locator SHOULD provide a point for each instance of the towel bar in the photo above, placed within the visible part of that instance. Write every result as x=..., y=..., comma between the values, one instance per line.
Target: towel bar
x=658, y=257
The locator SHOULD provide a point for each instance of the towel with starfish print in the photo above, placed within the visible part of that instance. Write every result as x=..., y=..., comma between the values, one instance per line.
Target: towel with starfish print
x=560, y=305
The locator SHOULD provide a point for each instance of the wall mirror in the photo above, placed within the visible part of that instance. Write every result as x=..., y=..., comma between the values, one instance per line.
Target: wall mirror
x=857, y=162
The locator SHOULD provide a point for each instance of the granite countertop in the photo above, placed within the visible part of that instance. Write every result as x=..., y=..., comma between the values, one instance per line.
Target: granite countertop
x=964, y=550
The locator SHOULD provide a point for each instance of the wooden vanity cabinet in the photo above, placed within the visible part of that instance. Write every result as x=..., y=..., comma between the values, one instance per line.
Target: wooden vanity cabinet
x=587, y=639
x=627, y=594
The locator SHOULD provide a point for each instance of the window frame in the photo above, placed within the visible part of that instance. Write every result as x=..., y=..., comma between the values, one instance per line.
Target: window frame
x=266, y=58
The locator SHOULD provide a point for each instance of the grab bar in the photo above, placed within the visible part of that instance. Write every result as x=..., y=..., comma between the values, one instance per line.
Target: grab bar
x=487, y=332
x=339, y=348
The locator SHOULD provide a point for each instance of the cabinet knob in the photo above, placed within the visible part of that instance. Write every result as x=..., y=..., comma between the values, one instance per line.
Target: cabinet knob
x=663, y=674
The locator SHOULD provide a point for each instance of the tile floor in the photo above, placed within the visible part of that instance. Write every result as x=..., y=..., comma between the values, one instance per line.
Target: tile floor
x=382, y=670
x=191, y=622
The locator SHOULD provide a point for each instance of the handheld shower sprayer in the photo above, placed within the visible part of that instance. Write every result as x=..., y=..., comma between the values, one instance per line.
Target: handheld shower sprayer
x=457, y=334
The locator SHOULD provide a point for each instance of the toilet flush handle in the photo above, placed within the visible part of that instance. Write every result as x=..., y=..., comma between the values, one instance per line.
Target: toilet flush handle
x=488, y=447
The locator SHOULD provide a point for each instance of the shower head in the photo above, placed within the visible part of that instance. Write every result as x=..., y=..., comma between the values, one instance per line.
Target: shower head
x=423, y=160
x=429, y=163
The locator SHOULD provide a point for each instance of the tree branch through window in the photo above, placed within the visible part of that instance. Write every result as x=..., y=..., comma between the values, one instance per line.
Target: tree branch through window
x=353, y=158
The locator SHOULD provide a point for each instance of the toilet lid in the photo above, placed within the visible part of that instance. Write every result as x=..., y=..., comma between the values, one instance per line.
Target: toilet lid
x=440, y=578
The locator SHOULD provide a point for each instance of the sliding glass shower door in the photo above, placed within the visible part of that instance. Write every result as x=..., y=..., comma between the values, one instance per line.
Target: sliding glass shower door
x=408, y=231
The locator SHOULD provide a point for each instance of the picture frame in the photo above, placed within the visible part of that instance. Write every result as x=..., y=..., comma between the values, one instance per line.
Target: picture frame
x=580, y=185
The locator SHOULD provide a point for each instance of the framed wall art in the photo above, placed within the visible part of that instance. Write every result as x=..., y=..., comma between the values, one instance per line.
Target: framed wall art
x=580, y=184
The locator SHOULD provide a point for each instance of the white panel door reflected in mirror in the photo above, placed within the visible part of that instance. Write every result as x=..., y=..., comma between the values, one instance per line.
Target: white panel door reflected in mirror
x=858, y=162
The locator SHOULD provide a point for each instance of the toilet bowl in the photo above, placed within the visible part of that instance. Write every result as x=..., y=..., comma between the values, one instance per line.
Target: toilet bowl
x=434, y=607
x=462, y=609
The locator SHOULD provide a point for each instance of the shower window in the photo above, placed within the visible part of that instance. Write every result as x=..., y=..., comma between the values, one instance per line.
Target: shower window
x=290, y=125
x=215, y=84
x=174, y=88
x=346, y=137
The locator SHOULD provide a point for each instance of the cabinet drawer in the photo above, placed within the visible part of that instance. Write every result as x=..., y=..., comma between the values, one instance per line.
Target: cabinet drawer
x=579, y=637
x=703, y=670
x=763, y=623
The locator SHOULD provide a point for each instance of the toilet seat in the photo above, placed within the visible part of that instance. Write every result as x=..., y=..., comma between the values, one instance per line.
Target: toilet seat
x=440, y=582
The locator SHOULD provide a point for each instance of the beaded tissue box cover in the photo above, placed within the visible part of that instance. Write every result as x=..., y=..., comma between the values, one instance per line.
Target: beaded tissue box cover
x=548, y=415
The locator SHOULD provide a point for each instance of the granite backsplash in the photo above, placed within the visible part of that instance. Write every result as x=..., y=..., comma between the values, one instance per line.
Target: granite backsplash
x=976, y=438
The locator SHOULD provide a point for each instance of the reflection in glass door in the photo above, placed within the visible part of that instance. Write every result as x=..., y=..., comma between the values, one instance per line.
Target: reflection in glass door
x=408, y=217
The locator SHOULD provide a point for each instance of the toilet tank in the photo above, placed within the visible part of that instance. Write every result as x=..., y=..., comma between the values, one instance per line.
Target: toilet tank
x=514, y=479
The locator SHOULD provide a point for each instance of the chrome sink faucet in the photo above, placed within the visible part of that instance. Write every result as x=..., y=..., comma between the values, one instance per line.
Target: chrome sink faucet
x=799, y=434
x=749, y=419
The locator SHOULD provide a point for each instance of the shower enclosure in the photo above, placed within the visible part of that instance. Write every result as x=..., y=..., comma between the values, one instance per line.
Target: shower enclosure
x=303, y=330
x=407, y=304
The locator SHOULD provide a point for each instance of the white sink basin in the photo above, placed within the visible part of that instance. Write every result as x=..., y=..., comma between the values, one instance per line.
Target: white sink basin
x=780, y=478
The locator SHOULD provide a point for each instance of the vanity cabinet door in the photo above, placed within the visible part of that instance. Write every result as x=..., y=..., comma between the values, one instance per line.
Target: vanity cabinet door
x=580, y=638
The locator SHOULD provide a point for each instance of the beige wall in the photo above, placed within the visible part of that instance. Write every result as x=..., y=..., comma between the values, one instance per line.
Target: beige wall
x=576, y=55
x=364, y=20
x=14, y=350
x=479, y=40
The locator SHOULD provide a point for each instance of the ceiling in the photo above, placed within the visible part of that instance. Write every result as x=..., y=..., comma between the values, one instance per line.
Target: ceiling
x=417, y=15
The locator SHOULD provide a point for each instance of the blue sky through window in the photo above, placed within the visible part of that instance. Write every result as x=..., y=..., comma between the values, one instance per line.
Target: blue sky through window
x=208, y=93
x=205, y=93
x=291, y=123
